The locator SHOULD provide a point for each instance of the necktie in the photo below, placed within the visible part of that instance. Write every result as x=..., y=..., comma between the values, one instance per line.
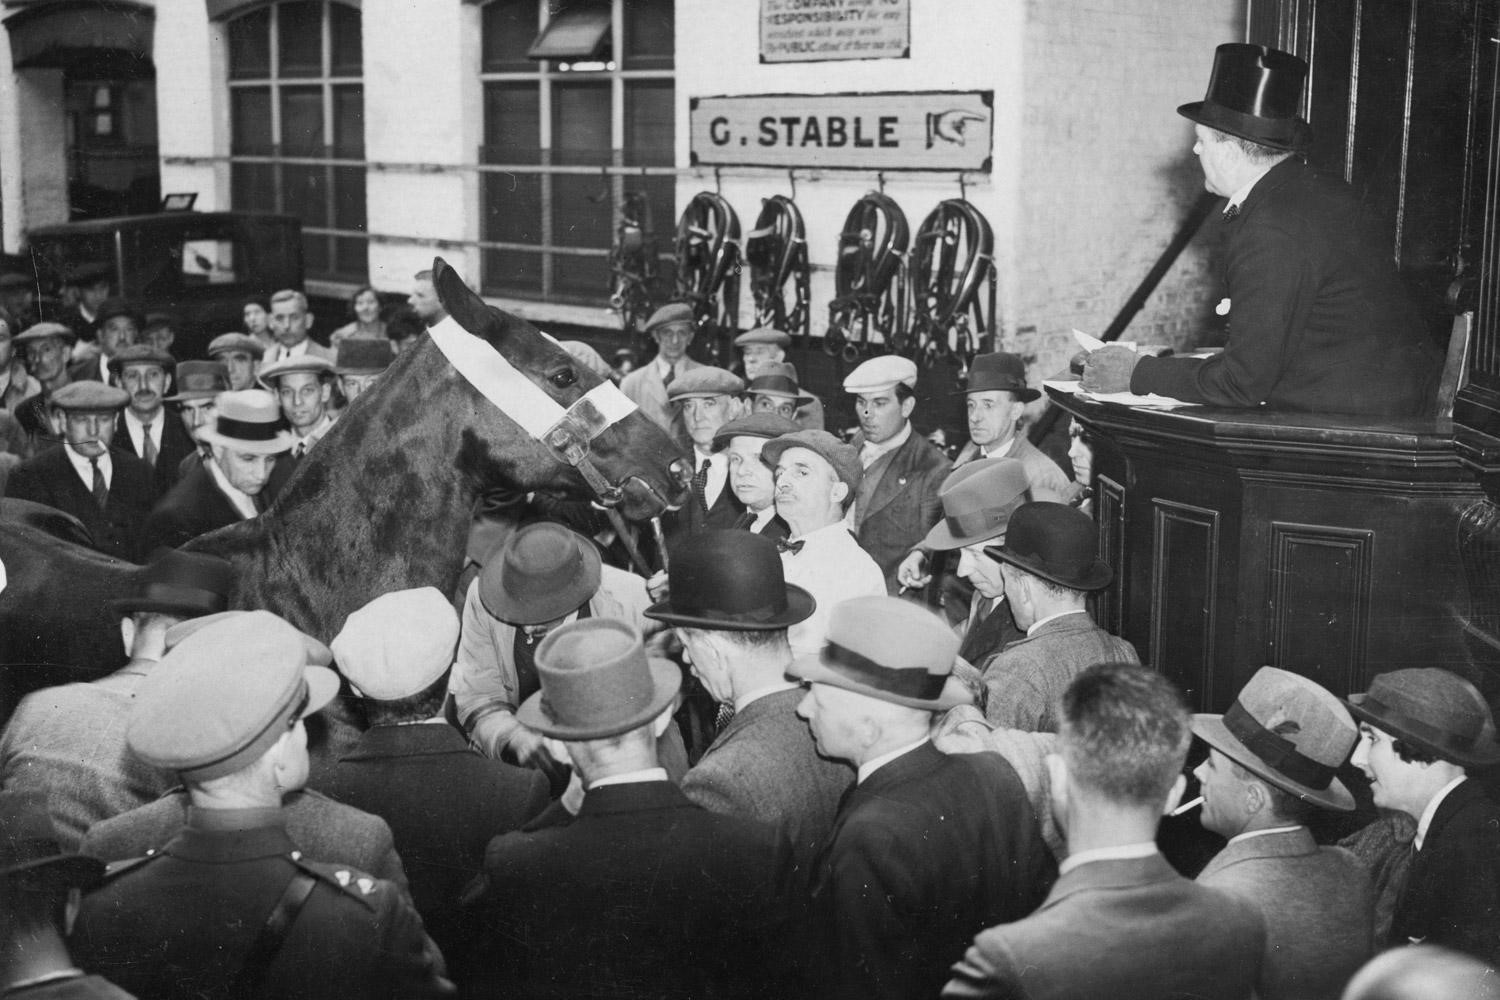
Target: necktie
x=723, y=715
x=148, y=447
x=299, y=449
x=527, y=681
x=782, y=545
x=100, y=490
x=666, y=380
x=700, y=486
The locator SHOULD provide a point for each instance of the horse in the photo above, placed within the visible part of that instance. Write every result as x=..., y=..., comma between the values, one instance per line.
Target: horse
x=382, y=503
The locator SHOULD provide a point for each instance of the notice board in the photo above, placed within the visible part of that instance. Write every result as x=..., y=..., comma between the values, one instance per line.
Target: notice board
x=816, y=30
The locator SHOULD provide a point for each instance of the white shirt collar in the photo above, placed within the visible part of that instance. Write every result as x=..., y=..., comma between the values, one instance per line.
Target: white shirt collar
x=664, y=367
x=313, y=436
x=85, y=470
x=1262, y=833
x=763, y=517
x=632, y=777
x=743, y=701
x=1431, y=810
x=1238, y=198
x=134, y=425
x=1051, y=618
x=823, y=531
x=1124, y=852
x=296, y=351
x=869, y=767
x=998, y=450
x=870, y=453
x=242, y=501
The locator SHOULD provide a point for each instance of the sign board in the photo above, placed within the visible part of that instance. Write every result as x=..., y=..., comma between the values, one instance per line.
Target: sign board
x=936, y=130
x=815, y=30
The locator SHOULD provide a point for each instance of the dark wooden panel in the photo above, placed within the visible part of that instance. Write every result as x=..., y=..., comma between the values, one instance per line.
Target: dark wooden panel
x=1110, y=502
x=1184, y=595
x=1319, y=601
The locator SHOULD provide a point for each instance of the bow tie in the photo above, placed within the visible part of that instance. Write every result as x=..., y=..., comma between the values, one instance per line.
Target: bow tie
x=782, y=545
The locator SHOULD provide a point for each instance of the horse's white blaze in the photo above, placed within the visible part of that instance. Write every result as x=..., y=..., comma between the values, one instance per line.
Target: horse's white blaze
x=513, y=393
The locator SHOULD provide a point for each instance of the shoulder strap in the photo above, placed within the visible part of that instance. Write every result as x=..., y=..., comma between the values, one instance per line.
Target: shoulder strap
x=247, y=985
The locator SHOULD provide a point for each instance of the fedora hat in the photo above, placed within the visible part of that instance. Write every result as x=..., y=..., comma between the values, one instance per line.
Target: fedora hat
x=1055, y=542
x=999, y=372
x=1254, y=92
x=250, y=421
x=978, y=499
x=733, y=580
x=597, y=682
x=363, y=356
x=186, y=584
x=199, y=380
x=31, y=859
x=778, y=378
x=889, y=649
x=1289, y=731
x=1436, y=711
x=542, y=572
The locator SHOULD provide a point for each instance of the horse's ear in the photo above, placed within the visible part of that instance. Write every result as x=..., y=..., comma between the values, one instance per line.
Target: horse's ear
x=468, y=309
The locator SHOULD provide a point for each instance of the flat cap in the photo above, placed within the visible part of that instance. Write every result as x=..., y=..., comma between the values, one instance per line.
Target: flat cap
x=762, y=335
x=363, y=356
x=762, y=425
x=843, y=457
x=879, y=374
x=224, y=695
x=226, y=342
x=141, y=354
x=90, y=395
x=398, y=644
x=113, y=307
x=672, y=312
x=309, y=363
x=199, y=380
x=41, y=331
x=88, y=273
x=705, y=380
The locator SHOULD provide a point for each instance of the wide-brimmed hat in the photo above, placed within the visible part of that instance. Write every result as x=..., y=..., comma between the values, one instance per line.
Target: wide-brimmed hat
x=249, y=420
x=978, y=499
x=543, y=572
x=762, y=425
x=186, y=584
x=597, y=682
x=141, y=354
x=399, y=644
x=1254, y=92
x=309, y=363
x=226, y=342
x=41, y=331
x=843, y=457
x=89, y=395
x=31, y=858
x=199, y=380
x=1435, y=710
x=999, y=372
x=1289, y=731
x=888, y=649
x=732, y=580
x=363, y=356
x=1055, y=542
x=672, y=312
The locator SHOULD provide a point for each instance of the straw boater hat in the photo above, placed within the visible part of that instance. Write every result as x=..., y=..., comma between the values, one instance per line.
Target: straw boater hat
x=1289, y=731
x=310, y=363
x=1255, y=93
x=1434, y=710
x=978, y=499
x=597, y=682
x=543, y=571
x=199, y=380
x=250, y=421
x=732, y=580
x=1055, y=542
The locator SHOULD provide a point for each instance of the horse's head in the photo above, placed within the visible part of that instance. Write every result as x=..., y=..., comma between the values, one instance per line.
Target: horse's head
x=584, y=431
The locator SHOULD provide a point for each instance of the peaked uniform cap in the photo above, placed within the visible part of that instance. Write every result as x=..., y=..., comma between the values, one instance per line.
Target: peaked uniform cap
x=543, y=572
x=199, y=380
x=879, y=374
x=978, y=499
x=1436, y=710
x=705, y=380
x=597, y=682
x=90, y=395
x=226, y=342
x=398, y=644
x=249, y=420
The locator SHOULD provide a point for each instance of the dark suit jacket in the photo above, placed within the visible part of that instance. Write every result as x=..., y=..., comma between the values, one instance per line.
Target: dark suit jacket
x=927, y=852
x=897, y=502
x=775, y=529
x=990, y=634
x=1119, y=930
x=1319, y=320
x=49, y=478
x=175, y=446
x=1452, y=894
x=691, y=517
x=645, y=894
x=195, y=505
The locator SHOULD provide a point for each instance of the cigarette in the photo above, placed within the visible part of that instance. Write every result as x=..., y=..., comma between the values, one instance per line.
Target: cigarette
x=1187, y=807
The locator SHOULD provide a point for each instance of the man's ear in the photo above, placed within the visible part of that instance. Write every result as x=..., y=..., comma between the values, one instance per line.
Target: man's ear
x=839, y=492
x=1057, y=787
x=907, y=405
x=327, y=391
x=127, y=632
x=1175, y=795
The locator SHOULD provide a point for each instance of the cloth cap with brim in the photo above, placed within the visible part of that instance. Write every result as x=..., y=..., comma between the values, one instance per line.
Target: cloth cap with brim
x=543, y=572
x=843, y=457
x=891, y=650
x=223, y=696
x=1435, y=710
x=731, y=580
x=978, y=499
x=141, y=354
x=42, y=331
x=597, y=682
x=364, y=356
x=1055, y=542
x=115, y=307
x=31, y=859
x=1289, y=731
x=672, y=312
x=398, y=644
x=250, y=421
x=999, y=372
x=1254, y=92
x=879, y=374
x=185, y=584
x=309, y=363
x=199, y=380
x=227, y=342
x=705, y=380
x=761, y=425
x=763, y=335
x=89, y=395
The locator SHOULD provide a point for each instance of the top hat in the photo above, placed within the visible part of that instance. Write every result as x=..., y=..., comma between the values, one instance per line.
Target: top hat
x=199, y=380
x=978, y=499
x=185, y=584
x=543, y=571
x=730, y=579
x=1437, y=711
x=1289, y=731
x=889, y=649
x=363, y=356
x=1001, y=372
x=1255, y=93
x=250, y=421
x=30, y=857
x=597, y=682
x=1055, y=542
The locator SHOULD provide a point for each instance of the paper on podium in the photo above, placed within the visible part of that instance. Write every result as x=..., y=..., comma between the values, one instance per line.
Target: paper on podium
x=1150, y=401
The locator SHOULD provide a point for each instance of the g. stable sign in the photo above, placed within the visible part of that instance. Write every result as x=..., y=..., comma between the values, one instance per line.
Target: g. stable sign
x=934, y=130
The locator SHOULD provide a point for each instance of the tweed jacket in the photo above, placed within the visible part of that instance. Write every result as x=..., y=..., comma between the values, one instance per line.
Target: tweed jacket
x=175, y=446
x=194, y=506
x=1317, y=905
x=1320, y=321
x=68, y=743
x=325, y=830
x=1045, y=476
x=645, y=389
x=897, y=502
x=765, y=766
x=1452, y=894
x=50, y=478
x=926, y=852
x=1025, y=680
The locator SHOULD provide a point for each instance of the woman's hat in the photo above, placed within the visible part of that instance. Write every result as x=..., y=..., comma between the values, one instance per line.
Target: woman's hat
x=1055, y=542
x=185, y=584
x=250, y=421
x=1255, y=93
x=597, y=682
x=543, y=572
x=732, y=580
x=978, y=499
x=1436, y=711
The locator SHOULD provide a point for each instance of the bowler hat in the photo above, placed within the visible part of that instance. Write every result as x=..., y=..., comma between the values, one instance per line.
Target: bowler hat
x=597, y=682
x=843, y=457
x=1436, y=711
x=672, y=312
x=41, y=331
x=1055, y=542
x=399, y=644
x=889, y=649
x=543, y=572
x=1289, y=731
x=1000, y=372
x=732, y=580
x=199, y=380
x=90, y=395
x=363, y=356
x=978, y=499
x=141, y=354
x=31, y=859
x=761, y=425
x=1254, y=92
x=250, y=421
x=186, y=584
x=226, y=342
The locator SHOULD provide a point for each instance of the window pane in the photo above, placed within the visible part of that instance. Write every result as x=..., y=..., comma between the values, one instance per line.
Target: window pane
x=581, y=277
x=662, y=193
x=581, y=211
x=351, y=258
x=304, y=191
x=253, y=187
x=512, y=208
x=349, y=198
x=317, y=257
x=649, y=125
x=580, y=124
x=512, y=272
x=349, y=121
x=650, y=34
x=300, y=32
x=346, y=44
x=250, y=120
x=509, y=27
x=302, y=121
x=250, y=45
x=512, y=123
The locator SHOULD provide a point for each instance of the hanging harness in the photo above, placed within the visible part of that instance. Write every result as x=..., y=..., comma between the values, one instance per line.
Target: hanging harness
x=633, y=266
x=776, y=250
x=869, y=279
x=707, y=249
x=953, y=283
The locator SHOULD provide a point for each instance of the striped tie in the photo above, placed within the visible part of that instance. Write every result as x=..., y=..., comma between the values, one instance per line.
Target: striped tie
x=148, y=446
x=100, y=489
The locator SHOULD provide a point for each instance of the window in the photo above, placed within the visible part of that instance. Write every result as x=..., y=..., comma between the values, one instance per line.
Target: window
x=296, y=103
x=572, y=89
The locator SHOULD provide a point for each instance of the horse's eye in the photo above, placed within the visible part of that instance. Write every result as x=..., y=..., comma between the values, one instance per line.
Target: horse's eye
x=563, y=379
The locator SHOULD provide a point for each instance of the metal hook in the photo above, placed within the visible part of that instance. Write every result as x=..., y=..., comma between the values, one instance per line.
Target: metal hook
x=791, y=179
x=963, y=188
x=880, y=180
x=718, y=182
